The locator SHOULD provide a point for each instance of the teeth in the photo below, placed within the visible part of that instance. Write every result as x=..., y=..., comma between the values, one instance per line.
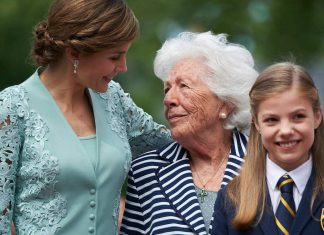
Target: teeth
x=288, y=144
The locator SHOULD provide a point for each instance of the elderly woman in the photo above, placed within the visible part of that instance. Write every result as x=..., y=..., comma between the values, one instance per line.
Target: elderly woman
x=206, y=83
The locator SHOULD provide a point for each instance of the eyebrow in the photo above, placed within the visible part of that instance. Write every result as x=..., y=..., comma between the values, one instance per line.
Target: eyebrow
x=292, y=112
x=301, y=109
x=165, y=83
x=119, y=52
x=268, y=115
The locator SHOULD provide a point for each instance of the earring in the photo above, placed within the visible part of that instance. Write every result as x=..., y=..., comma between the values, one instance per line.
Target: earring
x=75, y=65
x=222, y=115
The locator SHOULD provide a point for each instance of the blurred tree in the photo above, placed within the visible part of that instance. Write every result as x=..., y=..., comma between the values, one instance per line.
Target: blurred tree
x=273, y=30
x=17, y=19
x=292, y=27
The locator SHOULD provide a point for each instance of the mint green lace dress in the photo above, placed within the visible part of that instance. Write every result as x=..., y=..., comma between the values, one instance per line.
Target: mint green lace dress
x=48, y=183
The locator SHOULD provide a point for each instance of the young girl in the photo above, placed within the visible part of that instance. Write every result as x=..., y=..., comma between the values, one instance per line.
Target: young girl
x=285, y=146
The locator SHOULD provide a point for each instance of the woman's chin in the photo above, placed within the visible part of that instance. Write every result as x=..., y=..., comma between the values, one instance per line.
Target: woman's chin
x=101, y=89
x=178, y=134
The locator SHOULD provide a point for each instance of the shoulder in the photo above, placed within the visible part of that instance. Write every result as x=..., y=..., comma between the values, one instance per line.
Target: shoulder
x=238, y=149
x=112, y=99
x=13, y=100
x=114, y=88
x=240, y=138
x=223, y=215
x=221, y=196
x=12, y=92
x=116, y=95
x=16, y=94
x=152, y=159
x=239, y=143
x=223, y=206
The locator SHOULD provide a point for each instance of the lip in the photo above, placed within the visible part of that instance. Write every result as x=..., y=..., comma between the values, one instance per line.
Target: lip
x=288, y=144
x=174, y=117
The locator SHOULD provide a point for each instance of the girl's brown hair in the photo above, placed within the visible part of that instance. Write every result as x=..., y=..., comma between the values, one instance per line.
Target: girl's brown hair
x=87, y=26
x=248, y=191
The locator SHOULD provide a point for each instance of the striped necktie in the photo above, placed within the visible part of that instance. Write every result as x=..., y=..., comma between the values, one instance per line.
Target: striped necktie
x=286, y=211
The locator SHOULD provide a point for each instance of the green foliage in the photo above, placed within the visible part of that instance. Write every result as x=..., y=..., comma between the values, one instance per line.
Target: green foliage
x=17, y=19
x=273, y=30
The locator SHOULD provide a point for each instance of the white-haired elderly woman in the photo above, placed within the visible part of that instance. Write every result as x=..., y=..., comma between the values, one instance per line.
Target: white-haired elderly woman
x=206, y=83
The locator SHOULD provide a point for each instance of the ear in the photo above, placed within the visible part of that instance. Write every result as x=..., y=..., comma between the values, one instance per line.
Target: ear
x=71, y=54
x=318, y=118
x=255, y=123
x=226, y=108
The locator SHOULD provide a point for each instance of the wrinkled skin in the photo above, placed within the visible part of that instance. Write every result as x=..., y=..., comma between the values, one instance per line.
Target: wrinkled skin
x=191, y=109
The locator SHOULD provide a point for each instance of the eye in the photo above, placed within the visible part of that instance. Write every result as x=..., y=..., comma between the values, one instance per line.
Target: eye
x=115, y=57
x=184, y=85
x=299, y=116
x=270, y=120
x=166, y=89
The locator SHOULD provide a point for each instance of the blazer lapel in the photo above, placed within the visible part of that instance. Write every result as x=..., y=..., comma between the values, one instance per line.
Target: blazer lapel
x=177, y=185
x=236, y=157
x=99, y=120
x=175, y=181
x=60, y=130
x=304, y=213
x=113, y=152
x=267, y=223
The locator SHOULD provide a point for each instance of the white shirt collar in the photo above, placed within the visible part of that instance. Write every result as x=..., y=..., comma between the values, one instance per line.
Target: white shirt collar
x=300, y=175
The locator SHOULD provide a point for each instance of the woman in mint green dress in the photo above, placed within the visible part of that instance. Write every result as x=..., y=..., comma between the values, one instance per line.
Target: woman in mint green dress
x=68, y=133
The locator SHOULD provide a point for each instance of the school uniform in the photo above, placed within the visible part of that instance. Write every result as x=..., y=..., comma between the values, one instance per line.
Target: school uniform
x=306, y=222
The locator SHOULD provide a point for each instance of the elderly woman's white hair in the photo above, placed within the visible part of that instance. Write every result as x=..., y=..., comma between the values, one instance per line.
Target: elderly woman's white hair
x=231, y=69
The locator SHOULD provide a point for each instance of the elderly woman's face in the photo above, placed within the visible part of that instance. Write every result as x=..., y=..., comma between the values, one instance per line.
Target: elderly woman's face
x=189, y=105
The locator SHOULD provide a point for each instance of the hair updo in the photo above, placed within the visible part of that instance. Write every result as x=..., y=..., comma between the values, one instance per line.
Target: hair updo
x=83, y=25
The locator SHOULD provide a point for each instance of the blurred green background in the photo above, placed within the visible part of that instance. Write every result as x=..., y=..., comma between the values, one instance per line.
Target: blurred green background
x=273, y=30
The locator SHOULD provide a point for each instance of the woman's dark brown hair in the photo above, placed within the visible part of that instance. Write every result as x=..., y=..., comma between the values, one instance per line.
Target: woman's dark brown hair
x=87, y=26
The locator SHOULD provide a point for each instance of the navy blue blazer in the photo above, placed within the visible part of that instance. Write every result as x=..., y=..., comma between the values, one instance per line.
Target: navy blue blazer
x=161, y=196
x=304, y=223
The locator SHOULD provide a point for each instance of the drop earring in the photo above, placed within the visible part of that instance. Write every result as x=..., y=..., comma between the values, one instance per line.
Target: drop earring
x=222, y=115
x=75, y=66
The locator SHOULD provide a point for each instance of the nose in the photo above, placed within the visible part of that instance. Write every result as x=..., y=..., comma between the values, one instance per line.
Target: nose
x=170, y=98
x=122, y=66
x=286, y=128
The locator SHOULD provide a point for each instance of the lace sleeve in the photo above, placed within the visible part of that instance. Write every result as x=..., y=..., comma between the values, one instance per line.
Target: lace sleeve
x=143, y=133
x=9, y=149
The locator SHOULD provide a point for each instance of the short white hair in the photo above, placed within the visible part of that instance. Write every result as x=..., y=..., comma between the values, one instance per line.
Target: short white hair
x=230, y=74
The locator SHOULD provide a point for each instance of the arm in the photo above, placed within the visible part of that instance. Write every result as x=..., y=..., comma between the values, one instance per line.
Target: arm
x=13, y=230
x=219, y=223
x=143, y=133
x=10, y=142
x=133, y=219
